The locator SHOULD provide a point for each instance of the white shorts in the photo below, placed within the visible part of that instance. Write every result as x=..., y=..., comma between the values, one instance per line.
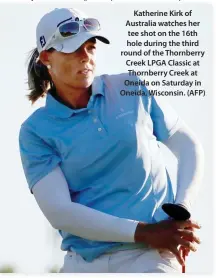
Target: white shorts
x=124, y=261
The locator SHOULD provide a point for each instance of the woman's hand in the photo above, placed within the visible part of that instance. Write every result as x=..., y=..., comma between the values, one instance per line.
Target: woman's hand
x=169, y=234
x=186, y=250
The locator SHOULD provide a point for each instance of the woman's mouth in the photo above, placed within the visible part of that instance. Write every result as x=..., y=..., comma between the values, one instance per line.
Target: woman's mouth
x=85, y=71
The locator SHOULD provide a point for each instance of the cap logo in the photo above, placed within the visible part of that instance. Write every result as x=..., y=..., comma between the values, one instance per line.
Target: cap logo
x=42, y=41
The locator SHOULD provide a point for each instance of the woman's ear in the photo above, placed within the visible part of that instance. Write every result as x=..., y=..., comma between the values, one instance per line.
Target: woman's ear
x=44, y=57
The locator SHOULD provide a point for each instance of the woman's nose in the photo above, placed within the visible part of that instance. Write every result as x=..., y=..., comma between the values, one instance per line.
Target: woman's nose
x=85, y=55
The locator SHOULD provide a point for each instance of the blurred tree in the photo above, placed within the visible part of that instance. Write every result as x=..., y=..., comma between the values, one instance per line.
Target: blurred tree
x=54, y=269
x=7, y=269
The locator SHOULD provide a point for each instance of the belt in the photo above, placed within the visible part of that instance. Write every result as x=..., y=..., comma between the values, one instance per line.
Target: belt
x=122, y=247
x=126, y=246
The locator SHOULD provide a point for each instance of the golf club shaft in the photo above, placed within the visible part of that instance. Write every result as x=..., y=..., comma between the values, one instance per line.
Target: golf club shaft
x=183, y=267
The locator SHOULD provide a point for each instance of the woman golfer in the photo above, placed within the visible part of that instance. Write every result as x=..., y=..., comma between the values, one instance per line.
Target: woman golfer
x=92, y=160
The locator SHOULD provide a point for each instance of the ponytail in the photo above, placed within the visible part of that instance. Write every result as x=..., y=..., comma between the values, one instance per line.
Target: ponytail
x=38, y=77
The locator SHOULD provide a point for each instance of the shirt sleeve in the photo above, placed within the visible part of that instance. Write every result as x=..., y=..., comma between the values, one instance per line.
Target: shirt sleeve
x=190, y=155
x=37, y=157
x=73, y=218
x=165, y=119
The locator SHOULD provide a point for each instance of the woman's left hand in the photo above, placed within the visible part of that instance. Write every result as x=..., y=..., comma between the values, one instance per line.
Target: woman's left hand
x=185, y=250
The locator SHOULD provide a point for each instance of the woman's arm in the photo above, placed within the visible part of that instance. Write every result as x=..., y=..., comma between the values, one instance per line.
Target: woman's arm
x=189, y=152
x=53, y=197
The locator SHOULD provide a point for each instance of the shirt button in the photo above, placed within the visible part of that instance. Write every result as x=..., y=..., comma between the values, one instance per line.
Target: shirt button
x=94, y=120
x=89, y=111
x=99, y=129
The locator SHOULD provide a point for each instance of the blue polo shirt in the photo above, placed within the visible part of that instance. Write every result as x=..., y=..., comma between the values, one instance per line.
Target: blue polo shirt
x=108, y=152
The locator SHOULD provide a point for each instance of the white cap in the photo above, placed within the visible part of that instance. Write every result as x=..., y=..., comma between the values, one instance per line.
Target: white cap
x=50, y=22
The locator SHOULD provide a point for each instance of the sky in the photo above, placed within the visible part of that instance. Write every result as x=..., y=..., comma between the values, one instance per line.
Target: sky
x=26, y=239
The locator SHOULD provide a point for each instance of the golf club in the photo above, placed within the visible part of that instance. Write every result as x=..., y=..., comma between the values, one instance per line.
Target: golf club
x=177, y=212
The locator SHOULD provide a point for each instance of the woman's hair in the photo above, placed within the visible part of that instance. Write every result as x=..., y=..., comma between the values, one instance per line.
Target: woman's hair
x=39, y=79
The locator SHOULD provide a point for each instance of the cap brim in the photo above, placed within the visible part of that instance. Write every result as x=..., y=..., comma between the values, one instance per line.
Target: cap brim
x=72, y=44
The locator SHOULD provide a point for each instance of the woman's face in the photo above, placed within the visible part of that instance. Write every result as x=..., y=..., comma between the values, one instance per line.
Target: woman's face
x=74, y=69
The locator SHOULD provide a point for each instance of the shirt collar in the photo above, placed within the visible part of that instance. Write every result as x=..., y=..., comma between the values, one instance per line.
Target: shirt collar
x=60, y=110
